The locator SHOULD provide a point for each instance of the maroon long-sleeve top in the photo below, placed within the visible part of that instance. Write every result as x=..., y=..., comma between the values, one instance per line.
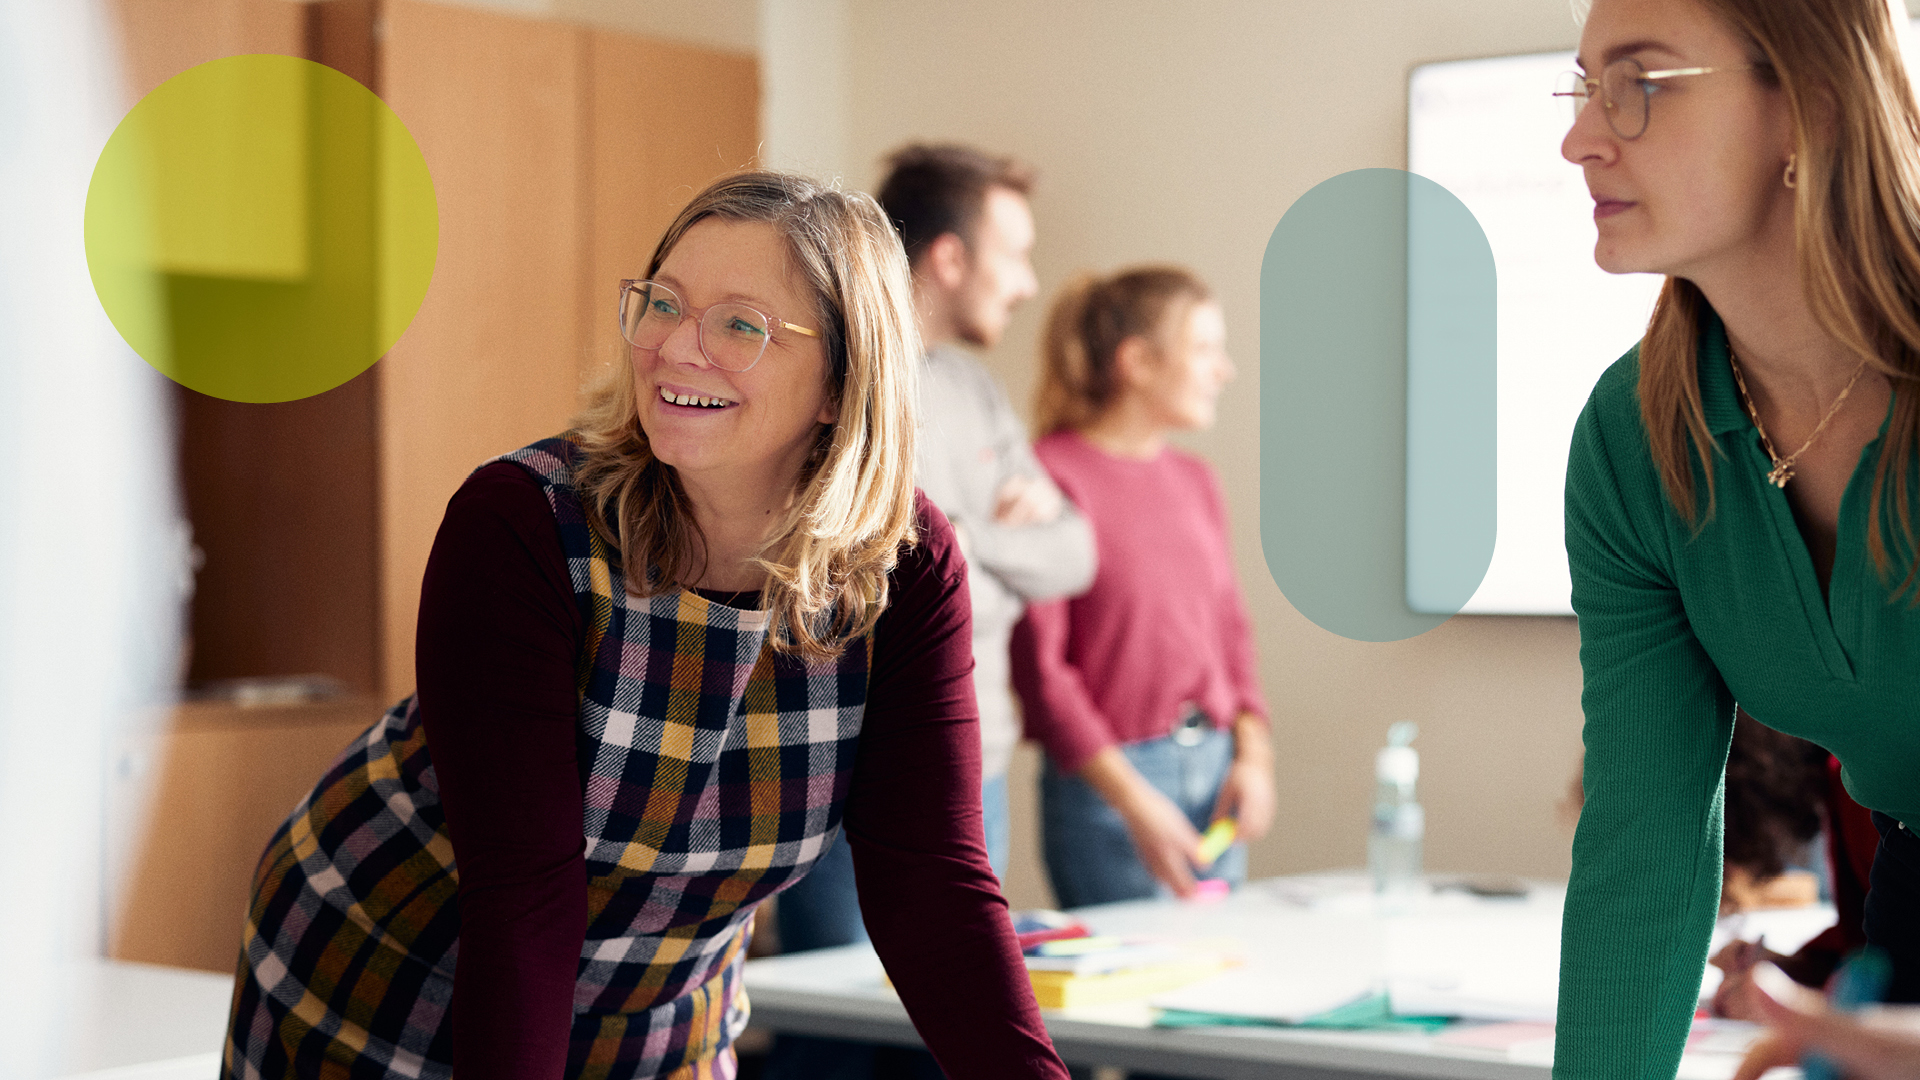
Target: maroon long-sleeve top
x=499, y=637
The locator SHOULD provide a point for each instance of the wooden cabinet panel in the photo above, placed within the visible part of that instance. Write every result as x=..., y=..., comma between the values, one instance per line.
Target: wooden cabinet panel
x=225, y=778
x=490, y=362
x=281, y=496
x=162, y=38
x=559, y=155
x=666, y=120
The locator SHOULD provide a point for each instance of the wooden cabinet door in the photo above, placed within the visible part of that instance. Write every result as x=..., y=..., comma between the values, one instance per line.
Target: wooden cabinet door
x=666, y=120
x=558, y=154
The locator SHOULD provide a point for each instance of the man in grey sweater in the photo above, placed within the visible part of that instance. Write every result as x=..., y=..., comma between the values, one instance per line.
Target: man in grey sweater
x=964, y=219
x=968, y=231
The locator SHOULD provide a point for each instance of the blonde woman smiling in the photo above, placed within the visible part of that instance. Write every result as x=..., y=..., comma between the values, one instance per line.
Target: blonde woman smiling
x=662, y=660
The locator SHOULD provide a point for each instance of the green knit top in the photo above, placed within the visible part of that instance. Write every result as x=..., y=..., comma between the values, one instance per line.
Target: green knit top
x=1675, y=627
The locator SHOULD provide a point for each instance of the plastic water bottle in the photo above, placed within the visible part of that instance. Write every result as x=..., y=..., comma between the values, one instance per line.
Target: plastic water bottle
x=1399, y=824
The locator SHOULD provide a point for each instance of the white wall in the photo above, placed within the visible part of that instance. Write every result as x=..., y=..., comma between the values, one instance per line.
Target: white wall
x=804, y=103
x=91, y=543
x=1184, y=132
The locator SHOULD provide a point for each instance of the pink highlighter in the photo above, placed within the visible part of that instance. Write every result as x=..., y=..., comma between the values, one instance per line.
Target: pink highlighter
x=1210, y=890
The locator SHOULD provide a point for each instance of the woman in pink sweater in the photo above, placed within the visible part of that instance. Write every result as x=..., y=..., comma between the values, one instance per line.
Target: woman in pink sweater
x=1143, y=689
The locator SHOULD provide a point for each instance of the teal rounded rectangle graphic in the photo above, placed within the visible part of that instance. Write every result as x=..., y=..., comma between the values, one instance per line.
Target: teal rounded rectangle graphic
x=1378, y=396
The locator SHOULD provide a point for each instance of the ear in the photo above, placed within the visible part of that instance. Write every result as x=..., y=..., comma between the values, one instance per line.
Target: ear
x=1134, y=362
x=829, y=412
x=945, y=261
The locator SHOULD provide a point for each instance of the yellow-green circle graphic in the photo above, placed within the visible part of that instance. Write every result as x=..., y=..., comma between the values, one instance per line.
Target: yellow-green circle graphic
x=261, y=228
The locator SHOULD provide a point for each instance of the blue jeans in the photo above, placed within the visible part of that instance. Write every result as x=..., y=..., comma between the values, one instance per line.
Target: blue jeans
x=1090, y=855
x=823, y=910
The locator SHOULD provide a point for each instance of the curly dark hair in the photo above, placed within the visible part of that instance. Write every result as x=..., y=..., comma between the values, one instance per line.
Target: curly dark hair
x=1776, y=786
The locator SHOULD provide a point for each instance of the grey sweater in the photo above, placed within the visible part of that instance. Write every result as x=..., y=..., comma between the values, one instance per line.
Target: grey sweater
x=971, y=441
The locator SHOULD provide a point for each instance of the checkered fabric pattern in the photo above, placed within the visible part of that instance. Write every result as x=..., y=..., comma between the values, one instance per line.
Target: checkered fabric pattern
x=717, y=776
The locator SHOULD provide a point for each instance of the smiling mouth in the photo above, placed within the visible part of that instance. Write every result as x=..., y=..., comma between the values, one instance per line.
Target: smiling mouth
x=698, y=401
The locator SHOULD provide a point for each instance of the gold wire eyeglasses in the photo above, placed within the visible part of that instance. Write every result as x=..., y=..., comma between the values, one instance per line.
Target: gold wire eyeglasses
x=1624, y=87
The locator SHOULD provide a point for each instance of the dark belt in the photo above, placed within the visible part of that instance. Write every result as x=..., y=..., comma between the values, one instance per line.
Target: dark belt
x=1192, y=726
x=1893, y=830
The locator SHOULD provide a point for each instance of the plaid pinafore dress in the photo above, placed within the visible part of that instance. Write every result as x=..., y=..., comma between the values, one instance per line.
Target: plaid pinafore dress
x=716, y=770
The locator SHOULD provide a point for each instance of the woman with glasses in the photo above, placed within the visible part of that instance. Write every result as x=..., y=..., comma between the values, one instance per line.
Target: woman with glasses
x=662, y=659
x=1740, y=492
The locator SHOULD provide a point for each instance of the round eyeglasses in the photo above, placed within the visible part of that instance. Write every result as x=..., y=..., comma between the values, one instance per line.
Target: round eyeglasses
x=732, y=336
x=1624, y=87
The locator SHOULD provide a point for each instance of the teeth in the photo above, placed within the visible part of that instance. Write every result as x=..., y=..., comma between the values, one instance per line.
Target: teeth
x=693, y=399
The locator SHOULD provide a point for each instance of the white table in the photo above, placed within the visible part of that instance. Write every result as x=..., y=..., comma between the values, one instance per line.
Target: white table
x=126, y=1021
x=1312, y=925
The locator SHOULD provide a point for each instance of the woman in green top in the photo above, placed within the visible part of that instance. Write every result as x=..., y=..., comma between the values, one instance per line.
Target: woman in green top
x=1739, y=518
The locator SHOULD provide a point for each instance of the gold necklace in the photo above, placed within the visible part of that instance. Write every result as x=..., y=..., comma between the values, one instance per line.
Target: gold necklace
x=1782, y=470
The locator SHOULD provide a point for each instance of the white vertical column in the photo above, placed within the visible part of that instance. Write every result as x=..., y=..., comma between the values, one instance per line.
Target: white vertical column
x=804, y=97
x=90, y=534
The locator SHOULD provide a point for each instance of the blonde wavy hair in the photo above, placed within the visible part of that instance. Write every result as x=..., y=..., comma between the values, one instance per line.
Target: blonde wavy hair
x=828, y=558
x=1857, y=236
x=1090, y=318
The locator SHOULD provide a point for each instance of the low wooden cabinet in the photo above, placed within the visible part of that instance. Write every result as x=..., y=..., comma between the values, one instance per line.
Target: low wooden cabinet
x=223, y=778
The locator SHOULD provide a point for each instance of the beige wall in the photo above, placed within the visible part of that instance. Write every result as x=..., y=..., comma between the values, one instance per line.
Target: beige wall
x=729, y=25
x=1184, y=132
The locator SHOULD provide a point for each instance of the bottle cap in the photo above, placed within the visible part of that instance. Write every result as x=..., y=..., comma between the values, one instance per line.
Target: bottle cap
x=1397, y=765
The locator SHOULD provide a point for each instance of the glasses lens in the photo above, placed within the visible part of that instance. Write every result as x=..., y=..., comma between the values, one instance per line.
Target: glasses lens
x=648, y=314
x=1626, y=97
x=1572, y=89
x=734, y=336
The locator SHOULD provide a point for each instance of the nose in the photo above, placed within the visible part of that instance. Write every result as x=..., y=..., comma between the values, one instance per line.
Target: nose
x=1029, y=281
x=683, y=345
x=1590, y=141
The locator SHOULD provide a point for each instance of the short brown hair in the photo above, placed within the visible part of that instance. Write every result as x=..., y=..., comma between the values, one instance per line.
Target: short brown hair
x=935, y=189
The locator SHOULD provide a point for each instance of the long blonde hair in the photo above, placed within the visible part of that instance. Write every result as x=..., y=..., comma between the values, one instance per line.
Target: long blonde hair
x=1857, y=238
x=827, y=560
x=1090, y=318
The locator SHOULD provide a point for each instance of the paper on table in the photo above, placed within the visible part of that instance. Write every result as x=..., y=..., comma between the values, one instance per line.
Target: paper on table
x=1414, y=998
x=1478, y=965
x=1784, y=930
x=1501, y=1036
x=1268, y=996
x=1115, y=957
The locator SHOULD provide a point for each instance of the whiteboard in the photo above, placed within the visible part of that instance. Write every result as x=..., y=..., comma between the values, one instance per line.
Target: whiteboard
x=1489, y=131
